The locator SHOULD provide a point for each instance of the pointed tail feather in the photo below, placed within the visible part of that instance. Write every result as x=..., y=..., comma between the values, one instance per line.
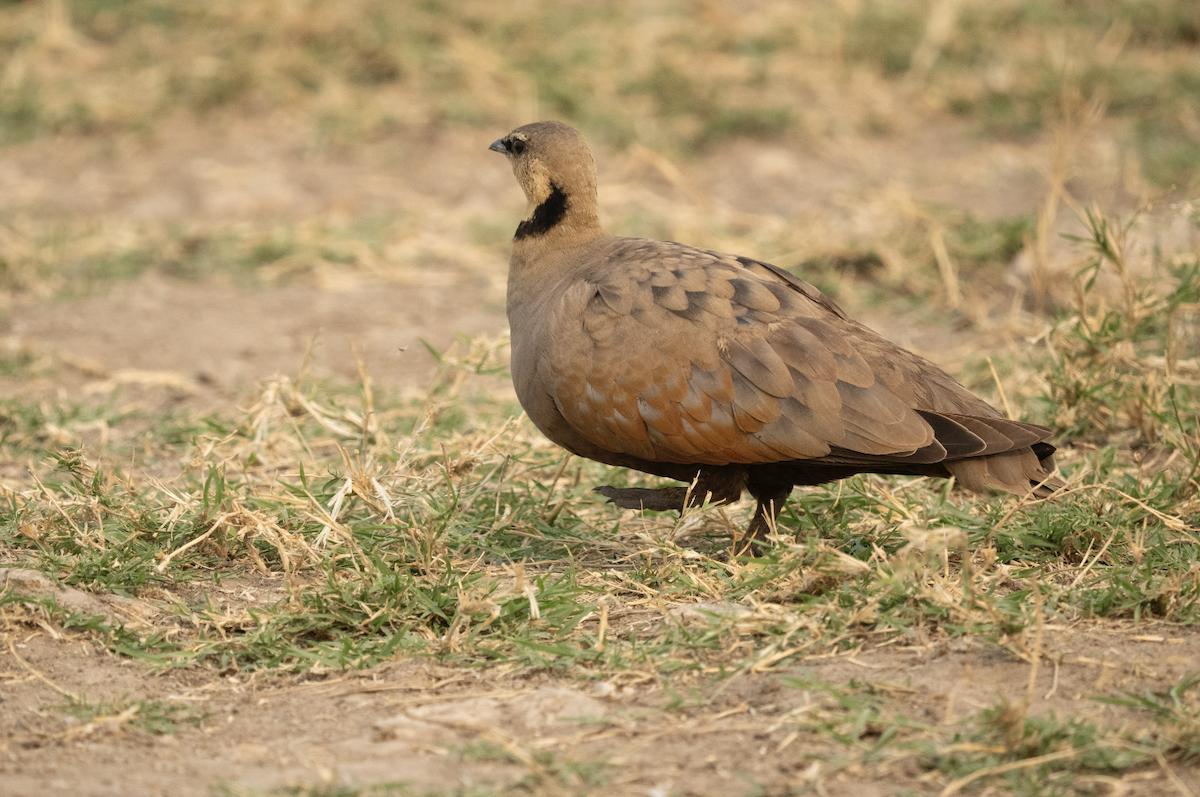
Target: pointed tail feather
x=1018, y=472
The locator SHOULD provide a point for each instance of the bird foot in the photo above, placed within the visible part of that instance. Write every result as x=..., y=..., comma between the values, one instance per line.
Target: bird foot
x=663, y=499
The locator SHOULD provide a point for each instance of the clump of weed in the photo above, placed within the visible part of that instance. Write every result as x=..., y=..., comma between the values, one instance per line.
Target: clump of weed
x=1126, y=365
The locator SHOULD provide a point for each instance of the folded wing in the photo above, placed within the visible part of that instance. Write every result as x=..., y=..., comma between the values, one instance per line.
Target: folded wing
x=687, y=356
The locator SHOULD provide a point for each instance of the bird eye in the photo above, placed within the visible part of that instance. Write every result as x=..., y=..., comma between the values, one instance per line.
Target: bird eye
x=516, y=146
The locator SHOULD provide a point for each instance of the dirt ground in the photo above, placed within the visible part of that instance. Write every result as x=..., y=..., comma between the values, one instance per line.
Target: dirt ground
x=400, y=722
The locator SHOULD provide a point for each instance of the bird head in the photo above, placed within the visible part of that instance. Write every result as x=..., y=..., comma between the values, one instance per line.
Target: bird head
x=554, y=167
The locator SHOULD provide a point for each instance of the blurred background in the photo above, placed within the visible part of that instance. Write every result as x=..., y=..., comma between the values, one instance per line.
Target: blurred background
x=192, y=193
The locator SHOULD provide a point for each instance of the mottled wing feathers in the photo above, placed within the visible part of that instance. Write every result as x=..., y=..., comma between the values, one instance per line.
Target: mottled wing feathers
x=689, y=356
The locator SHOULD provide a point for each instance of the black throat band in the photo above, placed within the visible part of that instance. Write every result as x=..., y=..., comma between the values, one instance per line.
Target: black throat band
x=545, y=215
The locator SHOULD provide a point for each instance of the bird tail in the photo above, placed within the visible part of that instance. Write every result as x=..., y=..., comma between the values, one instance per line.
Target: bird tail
x=1019, y=471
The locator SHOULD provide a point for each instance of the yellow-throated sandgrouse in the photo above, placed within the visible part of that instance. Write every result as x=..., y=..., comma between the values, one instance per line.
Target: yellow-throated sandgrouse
x=717, y=370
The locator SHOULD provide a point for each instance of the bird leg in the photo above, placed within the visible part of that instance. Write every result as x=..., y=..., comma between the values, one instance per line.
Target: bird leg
x=771, y=499
x=717, y=487
x=660, y=500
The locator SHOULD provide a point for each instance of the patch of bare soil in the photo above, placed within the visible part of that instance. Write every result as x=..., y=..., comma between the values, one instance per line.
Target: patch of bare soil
x=252, y=172
x=213, y=342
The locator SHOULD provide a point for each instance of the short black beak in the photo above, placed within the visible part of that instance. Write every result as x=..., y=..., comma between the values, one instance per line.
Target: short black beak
x=498, y=146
